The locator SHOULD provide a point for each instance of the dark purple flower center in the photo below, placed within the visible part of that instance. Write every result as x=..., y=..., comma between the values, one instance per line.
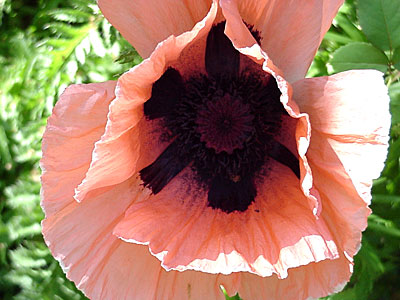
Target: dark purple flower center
x=225, y=124
x=221, y=124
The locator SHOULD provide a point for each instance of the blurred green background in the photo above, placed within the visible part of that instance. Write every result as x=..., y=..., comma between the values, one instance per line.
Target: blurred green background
x=45, y=45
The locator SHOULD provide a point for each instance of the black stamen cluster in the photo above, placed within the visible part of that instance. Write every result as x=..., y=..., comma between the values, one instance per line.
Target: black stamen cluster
x=261, y=95
x=222, y=124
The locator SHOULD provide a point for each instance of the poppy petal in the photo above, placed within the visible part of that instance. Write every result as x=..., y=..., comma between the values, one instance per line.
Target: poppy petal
x=154, y=20
x=312, y=281
x=79, y=235
x=300, y=129
x=103, y=244
x=290, y=31
x=186, y=234
x=105, y=267
x=349, y=113
x=77, y=122
x=121, y=274
x=131, y=272
x=116, y=157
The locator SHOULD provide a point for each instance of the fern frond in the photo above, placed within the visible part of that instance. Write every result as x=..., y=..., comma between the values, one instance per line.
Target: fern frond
x=70, y=15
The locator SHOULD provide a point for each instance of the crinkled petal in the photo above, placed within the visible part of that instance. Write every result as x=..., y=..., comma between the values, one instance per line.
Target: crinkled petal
x=79, y=235
x=351, y=111
x=145, y=23
x=131, y=272
x=307, y=282
x=77, y=122
x=281, y=231
x=350, y=119
x=116, y=156
x=243, y=41
x=105, y=267
x=290, y=31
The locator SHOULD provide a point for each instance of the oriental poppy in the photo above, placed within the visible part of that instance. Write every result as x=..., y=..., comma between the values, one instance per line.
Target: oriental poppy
x=214, y=162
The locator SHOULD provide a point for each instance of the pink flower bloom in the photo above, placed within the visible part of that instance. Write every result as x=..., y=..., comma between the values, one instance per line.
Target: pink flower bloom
x=214, y=162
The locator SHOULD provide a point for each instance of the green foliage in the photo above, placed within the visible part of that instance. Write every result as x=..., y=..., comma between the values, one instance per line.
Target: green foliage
x=377, y=264
x=46, y=45
x=380, y=21
x=358, y=55
x=236, y=297
x=396, y=58
x=394, y=92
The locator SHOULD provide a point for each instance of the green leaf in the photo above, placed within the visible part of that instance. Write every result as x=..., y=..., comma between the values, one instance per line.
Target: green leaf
x=61, y=56
x=394, y=92
x=358, y=56
x=4, y=234
x=396, y=58
x=23, y=257
x=338, y=38
x=383, y=226
x=70, y=15
x=386, y=199
x=369, y=268
x=349, y=28
x=345, y=295
x=380, y=21
x=5, y=155
x=236, y=297
x=318, y=66
x=128, y=56
x=62, y=29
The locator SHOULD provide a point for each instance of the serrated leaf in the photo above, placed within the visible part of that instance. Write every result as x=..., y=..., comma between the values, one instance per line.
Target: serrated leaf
x=23, y=200
x=369, y=268
x=63, y=29
x=71, y=68
x=83, y=5
x=380, y=21
x=5, y=155
x=129, y=56
x=97, y=43
x=29, y=230
x=358, y=56
x=61, y=56
x=25, y=258
x=57, y=43
x=80, y=54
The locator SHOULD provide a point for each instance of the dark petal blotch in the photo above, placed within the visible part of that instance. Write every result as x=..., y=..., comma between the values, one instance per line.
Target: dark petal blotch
x=165, y=93
x=229, y=195
x=222, y=59
x=284, y=156
x=157, y=175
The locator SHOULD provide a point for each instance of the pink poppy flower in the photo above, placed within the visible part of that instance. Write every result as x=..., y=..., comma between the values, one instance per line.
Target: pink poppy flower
x=214, y=162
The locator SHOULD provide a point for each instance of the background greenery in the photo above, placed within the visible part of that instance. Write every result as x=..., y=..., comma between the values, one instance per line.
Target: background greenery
x=45, y=45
